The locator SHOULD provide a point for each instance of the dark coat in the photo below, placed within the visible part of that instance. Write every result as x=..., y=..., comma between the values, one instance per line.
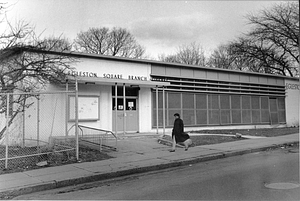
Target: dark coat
x=178, y=131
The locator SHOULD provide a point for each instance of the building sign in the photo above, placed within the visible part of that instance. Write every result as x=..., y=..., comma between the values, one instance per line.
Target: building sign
x=82, y=74
x=133, y=77
x=120, y=76
x=290, y=86
x=159, y=79
x=113, y=76
x=106, y=75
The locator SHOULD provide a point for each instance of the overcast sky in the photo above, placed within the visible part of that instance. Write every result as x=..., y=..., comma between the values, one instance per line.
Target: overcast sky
x=161, y=26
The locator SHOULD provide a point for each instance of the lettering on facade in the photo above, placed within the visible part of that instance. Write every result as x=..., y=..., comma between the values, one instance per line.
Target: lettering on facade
x=133, y=77
x=82, y=74
x=292, y=86
x=113, y=76
x=159, y=79
x=120, y=76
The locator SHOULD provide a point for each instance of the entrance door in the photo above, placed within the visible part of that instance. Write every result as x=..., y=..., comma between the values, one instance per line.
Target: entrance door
x=131, y=110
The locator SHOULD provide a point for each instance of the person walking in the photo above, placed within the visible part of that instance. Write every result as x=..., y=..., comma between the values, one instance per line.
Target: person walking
x=178, y=134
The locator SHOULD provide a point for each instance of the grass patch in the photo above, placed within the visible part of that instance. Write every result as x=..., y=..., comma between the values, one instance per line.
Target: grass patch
x=264, y=132
x=217, y=139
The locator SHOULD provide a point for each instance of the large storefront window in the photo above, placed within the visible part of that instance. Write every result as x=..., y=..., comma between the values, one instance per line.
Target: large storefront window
x=198, y=109
x=213, y=109
x=236, y=110
x=201, y=109
x=246, y=110
x=188, y=112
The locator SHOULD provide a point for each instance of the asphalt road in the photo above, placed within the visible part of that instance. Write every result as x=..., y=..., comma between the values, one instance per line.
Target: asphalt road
x=270, y=175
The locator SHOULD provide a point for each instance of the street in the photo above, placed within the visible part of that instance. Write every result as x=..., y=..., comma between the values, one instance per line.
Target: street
x=269, y=175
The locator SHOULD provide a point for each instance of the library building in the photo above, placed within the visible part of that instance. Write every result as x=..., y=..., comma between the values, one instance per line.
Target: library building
x=126, y=95
x=139, y=96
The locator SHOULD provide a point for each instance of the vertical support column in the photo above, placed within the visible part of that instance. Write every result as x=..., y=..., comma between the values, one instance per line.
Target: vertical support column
x=164, y=112
x=67, y=108
x=23, y=125
x=124, y=110
x=116, y=108
x=156, y=109
x=7, y=131
x=76, y=119
x=38, y=123
x=298, y=89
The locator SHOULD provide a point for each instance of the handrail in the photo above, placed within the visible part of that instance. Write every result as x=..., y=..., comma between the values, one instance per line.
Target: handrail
x=81, y=127
x=97, y=129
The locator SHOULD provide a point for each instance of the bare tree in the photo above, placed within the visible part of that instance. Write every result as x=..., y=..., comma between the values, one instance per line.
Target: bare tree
x=221, y=58
x=192, y=54
x=27, y=66
x=271, y=46
x=55, y=44
x=227, y=57
x=115, y=42
x=273, y=41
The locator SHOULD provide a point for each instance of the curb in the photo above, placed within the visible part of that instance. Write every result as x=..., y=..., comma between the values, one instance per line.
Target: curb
x=8, y=194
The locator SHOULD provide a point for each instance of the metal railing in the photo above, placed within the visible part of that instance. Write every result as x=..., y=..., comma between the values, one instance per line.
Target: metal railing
x=97, y=138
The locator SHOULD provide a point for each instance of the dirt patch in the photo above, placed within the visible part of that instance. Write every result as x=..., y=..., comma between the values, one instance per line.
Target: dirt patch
x=52, y=159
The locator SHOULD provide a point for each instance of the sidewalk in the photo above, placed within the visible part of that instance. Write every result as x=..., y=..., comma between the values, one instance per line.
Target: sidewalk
x=135, y=155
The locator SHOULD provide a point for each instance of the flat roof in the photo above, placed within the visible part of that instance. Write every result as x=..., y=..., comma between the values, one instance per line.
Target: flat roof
x=146, y=61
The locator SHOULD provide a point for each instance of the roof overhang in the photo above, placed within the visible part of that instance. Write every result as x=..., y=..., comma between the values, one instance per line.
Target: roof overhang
x=109, y=81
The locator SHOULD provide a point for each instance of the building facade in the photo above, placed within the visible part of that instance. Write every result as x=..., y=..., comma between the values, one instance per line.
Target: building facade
x=143, y=95
x=140, y=96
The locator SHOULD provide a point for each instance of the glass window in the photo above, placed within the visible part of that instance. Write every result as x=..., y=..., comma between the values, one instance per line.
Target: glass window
x=236, y=116
x=160, y=118
x=255, y=116
x=188, y=100
x=281, y=103
x=255, y=102
x=273, y=104
x=130, y=104
x=224, y=101
x=264, y=102
x=214, y=117
x=225, y=117
x=265, y=116
x=201, y=101
x=213, y=101
x=188, y=117
x=235, y=102
x=246, y=116
x=129, y=91
x=245, y=102
x=119, y=104
x=160, y=100
x=281, y=116
x=274, y=118
x=174, y=100
x=201, y=116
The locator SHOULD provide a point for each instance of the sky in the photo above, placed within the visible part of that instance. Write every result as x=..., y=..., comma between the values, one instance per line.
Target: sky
x=160, y=26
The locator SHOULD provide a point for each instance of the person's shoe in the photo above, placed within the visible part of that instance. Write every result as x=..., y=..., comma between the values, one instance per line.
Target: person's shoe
x=186, y=149
x=172, y=150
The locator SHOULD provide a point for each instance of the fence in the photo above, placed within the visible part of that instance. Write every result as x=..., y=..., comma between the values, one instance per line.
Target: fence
x=97, y=138
x=29, y=124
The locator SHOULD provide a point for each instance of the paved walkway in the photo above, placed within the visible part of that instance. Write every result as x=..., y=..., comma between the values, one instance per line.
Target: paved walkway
x=135, y=155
